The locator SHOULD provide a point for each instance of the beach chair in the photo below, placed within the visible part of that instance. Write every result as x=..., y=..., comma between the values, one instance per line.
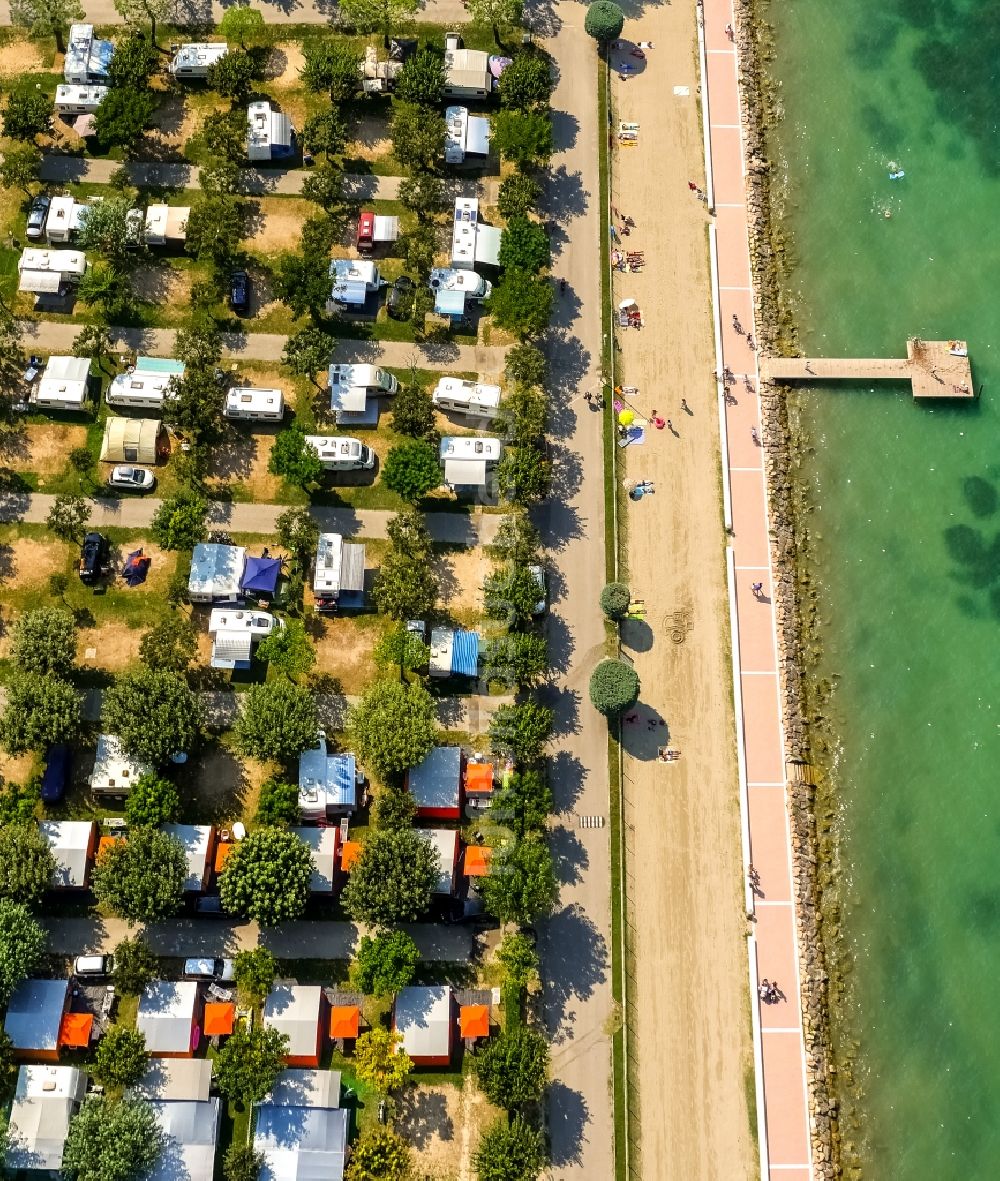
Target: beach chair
x=623, y=126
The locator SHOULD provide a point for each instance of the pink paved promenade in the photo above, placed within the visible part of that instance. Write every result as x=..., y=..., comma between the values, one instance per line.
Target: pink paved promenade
x=788, y=1155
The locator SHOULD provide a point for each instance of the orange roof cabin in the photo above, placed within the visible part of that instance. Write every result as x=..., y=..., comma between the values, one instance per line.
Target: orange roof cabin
x=219, y=1018
x=436, y=784
x=345, y=1021
x=477, y=860
x=474, y=1021
x=350, y=851
x=297, y=1011
x=222, y=852
x=422, y=1016
x=34, y=1020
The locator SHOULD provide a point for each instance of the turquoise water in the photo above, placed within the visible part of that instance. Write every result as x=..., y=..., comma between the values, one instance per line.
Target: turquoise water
x=907, y=544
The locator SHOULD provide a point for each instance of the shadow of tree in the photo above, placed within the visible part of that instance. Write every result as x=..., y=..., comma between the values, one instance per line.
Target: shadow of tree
x=422, y=1115
x=574, y=957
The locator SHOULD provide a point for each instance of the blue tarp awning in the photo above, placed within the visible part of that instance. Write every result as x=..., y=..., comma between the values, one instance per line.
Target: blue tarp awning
x=261, y=575
x=465, y=654
x=449, y=303
x=341, y=780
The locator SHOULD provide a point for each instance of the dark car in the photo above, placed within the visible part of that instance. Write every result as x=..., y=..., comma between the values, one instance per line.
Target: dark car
x=37, y=214
x=93, y=558
x=209, y=906
x=399, y=301
x=239, y=292
x=55, y=777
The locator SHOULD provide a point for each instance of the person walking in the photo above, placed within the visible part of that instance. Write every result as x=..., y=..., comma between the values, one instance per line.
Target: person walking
x=737, y=326
x=684, y=406
x=757, y=589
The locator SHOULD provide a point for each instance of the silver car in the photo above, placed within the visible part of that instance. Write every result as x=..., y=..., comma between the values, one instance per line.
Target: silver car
x=205, y=968
x=132, y=479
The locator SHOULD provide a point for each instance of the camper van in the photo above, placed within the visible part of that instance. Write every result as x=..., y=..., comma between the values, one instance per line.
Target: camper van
x=472, y=242
x=195, y=59
x=253, y=405
x=73, y=99
x=270, y=134
x=467, y=460
x=339, y=579
x=87, y=57
x=375, y=229
x=47, y=272
x=340, y=453
x=353, y=281
x=467, y=397
x=465, y=135
x=66, y=218
x=473, y=286
x=166, y=224
x=146, y=384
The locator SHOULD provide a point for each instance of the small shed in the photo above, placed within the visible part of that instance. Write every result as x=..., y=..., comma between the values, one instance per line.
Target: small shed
x=34, y=1018
x=115, y=772
x=350, y=851
x=479, y=781
x=198, y=842
x=134, y=440
x=216, y=571
x=168, y=1015
x=345, y=1021
x=467, y=73
x=436, y=783
x=422, y=1015
x=297, y=1010
x=171, y=1079
x=64, y=384
x=322, y=843
x=72, y=843
x=446, y=841
x=45, y=1101
x=328, y=783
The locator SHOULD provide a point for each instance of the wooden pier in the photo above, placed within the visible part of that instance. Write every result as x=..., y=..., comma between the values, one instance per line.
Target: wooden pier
x=934, y=368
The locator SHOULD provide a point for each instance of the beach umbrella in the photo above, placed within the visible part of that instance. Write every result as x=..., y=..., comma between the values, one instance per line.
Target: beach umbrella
x=626, y=417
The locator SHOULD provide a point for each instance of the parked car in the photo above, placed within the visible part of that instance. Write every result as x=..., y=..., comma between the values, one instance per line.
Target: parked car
x=93, y=965
x=55, y=777
x=239, y=292
x=37, y=214
x=93, y=558
x=209, y=906
x=132, y=479
x=205, y=968
x=538, y=574
x=399, y=301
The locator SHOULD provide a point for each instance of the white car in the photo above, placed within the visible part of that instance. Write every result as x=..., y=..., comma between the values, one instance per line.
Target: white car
x=132, y=479
x=205, y=968
x=93, y=965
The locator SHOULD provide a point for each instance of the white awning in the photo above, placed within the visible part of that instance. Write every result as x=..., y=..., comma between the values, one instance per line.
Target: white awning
x=465, y=472
x=40, y=282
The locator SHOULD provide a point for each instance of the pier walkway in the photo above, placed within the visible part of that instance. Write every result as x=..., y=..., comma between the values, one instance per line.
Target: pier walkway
x=934, y=368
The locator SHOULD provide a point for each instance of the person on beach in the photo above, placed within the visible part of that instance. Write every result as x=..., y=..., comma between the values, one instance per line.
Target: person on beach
x=670, y=426
x=684, y=406
x=753, y=347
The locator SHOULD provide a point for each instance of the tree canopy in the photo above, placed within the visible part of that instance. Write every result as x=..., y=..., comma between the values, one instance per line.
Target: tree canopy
x=112, y=1140
x=248, y=1064
x=422, y=79
x=151, y=801
x=26, y=863
x=615, y=598
x=392, y=727
x=242, y=1162
x=255, y=970
x=604, y=21
x=521, y=730
x=412, y=469
x=527, y=82
x=512, y=1067
x=379, y=1154
x=401, y=650
x=267, y=877
x=413, y=410
x=522, y=803
x=515, y=660
x=510, y=1151
x=278, y=802
x=46, y=18
x=296, y=530
x=417, y=134
x=170, y=644
x=179, y=522
x=525, y=244
x=521, y=884
x=521, y=303
x=28, y=113
x=511, y=593
x=20, y=167
x=277, y=720
x=384, y=963
x=308, y=351
x=44, y=641
x=380, y=1060
x=135, y=965
x=106, y=231
x=39, y=710
x=22, y=941
x=379, y=16
x=68, y=516
x=392, y=880
x=120, y=1058
x=331, y=65
x=523, y=137
x=523, y=475
x=154, y=713
x=518, y=958
x=242, y=24
x=135, y=12
x=288, y=649
x=233, y=74
x=122, y=117
x=516, y=539
x=295, y=459
x=518, y=194
x=614, y=687
x=393, y=810
x=405, y=587
x=142, y=877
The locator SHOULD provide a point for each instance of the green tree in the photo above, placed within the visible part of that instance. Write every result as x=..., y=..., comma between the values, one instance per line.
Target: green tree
x=520, y=731
x=518, y=958
x=105, y=231
x=248, y=1065
x=199, y=346
x=392, y=880
x=604, y=21
x=308, y=352
x=26, y=863
x=392, y=727
x=523, y=416
x=267, y=877
x=278, y=803
x=518, y=194
x=522, y=803
x=423, y=194
x=325, y=132
x=402, y=650
x=123, y=117
x=194, y=407
x=20, y=167
x=135, y=965
x=524, y=244
x=523, y=137
x=521, y=885
x=22, y=941
x=297, y=531
x=303, y=283
x=93, y=340
x=521, y=303
x=510, y=1151
x=394, y=809
x=108, y=291
x=244, y=25
x=511, y=593
x=405, y=587
x=412, y=469
x=28, y=113
x=422, y=79
x=380, y=1061
x=39, y=710
x=380, y=1155
x=134, y=62
x=214, y=228
x=277, y=721
x=515, y=660
x=526, y=83
x=137, y=12
x=294, y=459
x=512, y=1067
x=413, y=410
x=152, y=801
x=516, y=539
x=68, y=517
x=218, y=178
x=154, y=713
x=615, y=598
x=614, y=687
x=242, y=1162
x=9, y=1069
x=141, y=878
x=112, y=1140
x=44, y=641
x=500, y=15
x=225, y=135
x=417, y=135
x=179, y=522
x=233, y=75
x=170, y=644
x=523, y=475
x=288, y=649
x=19, y=803
x=325, y=187
x=408, y=533
x=379, y=16
x=331, y=66
x=384, y=963
x=255, y=970
x=120, y=1059
x=46, y=18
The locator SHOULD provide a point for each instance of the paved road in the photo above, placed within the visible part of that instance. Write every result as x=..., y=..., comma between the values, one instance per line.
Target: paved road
x=134, y=513
x=50, y=337
x=302, y=940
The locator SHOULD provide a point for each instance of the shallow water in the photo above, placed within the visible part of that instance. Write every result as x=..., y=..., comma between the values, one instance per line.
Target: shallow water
x=908, y=545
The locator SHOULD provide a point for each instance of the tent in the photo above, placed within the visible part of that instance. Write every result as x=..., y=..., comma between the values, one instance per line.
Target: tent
x=133, y=440
x=136, y=568
x=260, y=576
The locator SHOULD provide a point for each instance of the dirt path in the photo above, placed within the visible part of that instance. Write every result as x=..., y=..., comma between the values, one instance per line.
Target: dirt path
x=689, y=1014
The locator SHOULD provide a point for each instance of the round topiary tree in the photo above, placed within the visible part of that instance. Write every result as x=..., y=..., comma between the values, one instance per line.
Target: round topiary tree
x=604, y=21
x=614, y=686
x=615, y=599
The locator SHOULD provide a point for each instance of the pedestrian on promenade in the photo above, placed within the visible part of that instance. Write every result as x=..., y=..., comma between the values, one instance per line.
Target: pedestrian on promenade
x=755, y=436
x=753, y=347
x=729, y=32
x=756, y=588
x=737, y=326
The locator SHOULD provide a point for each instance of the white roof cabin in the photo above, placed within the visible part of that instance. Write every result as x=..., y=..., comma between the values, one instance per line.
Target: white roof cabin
x=471, y=241
x=270, y=135
x=322, y=843
x=339, y=572
x=445, y=840
x=64, y=384
x=466, y=71
x=166, y=1016
x=234, y=634
x=166, y=223
x=197, y=841
x=71, y=843
x=45, y=1101
x=354, y=390
x=193, y=59
x=66, y=218
x=301, y=1129
x=87, y=57
x=74, y=99
x=43, y=272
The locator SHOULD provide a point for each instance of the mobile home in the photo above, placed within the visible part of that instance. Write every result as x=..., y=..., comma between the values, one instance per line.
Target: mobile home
x=64, y=384
x=339, y=579
x=166, y=224
x=471, y=241
x=47, y=272
x=234, y=634
x=466, y=460
x=216, y=571
x=87, y=57
x=195, y=58
x=66, y=218
x=115, y=773
x=466, y=71
x=270, y=134
x=72, y=99
x=252, y=404
x=353, y=281
x=147, y=383
x=446, y=280
x=465, y=135
x=354, y=390
x=340, y=453
x=467, y=397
